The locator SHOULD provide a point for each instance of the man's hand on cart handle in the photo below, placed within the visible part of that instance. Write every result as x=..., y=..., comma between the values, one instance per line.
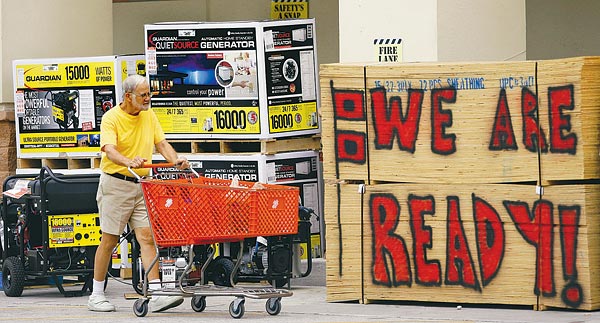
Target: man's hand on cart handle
x=182, y=163
x=136, y=162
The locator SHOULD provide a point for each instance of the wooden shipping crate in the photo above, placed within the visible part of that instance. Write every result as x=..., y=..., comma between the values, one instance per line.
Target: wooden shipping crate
x=343, y=221
x=463, y=122
x=476, y=243
x=436, y=123
x=576, y=249
x=343, y=115
x=569, y=101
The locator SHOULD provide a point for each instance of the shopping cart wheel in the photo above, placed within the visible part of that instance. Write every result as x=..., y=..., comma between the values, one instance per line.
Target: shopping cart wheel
x=273, y=305
x=198, y=303
x=236, y=308
x=140, y=307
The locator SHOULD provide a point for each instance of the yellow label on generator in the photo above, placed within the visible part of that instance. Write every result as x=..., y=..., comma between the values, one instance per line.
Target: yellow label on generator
x=73, y=230
x=58, y=113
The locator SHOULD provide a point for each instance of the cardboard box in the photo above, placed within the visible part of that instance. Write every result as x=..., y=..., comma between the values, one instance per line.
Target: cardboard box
x=59, y=102
x=234, y=79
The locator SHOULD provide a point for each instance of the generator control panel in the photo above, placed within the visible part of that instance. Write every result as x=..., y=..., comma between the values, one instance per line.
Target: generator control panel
x=73, y=230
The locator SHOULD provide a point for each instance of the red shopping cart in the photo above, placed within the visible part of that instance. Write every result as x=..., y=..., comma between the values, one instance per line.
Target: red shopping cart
x=195, y=210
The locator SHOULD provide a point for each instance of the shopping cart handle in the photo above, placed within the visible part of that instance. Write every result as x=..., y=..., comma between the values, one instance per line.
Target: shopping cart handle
x=158, y=165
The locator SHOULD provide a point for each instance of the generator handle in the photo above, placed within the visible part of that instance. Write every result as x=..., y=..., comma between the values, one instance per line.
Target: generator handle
x=157, y=165
x=47, y=169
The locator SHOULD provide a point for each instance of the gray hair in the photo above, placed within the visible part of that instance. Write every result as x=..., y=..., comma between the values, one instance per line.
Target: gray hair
x=131, y=83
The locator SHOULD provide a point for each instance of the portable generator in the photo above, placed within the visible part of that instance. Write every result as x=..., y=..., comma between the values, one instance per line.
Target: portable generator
x=51, y=233
x=276, y=259
x=64, y=108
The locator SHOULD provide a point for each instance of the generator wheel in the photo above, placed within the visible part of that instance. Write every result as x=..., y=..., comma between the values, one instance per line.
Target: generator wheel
x=279, y=283
x=140, y=307
x=198, y=303
x=273, y=305
x=222, y=269
x=75, y=122
x=13, y=277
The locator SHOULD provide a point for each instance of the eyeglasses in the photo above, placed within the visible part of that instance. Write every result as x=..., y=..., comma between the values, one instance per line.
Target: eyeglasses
x=143, y=95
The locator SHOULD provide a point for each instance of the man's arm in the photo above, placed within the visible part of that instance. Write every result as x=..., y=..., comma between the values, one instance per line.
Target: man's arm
x=116, y=157
x=165, y=149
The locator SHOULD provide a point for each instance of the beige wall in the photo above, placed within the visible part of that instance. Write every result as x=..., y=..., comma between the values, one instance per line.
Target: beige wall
x=363, y=21
x=129, y=27
x=476, y=30
x=52, y=28
x=434, y=30
x=562, y=28
x=129, y=19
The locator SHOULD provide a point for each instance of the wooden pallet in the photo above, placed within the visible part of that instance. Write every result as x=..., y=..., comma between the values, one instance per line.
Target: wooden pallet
x=268, y=146
x=59, y=163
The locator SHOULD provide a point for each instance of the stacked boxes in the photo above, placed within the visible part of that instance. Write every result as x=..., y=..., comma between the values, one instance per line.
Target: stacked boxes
x=241, y=98
x=234, y=80
x=463, y=182
x=59, y=103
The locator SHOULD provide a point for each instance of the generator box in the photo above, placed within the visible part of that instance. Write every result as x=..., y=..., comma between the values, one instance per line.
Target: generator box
x=59, y=102
x=234, y=79
x=300, y=169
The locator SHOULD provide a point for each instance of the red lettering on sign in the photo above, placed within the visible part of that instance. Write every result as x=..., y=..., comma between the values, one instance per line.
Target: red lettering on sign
x=442, y=143
x=572, y=293
x=385, y=216
x=533, y=134
x=503, y=135
x=489, y=231
x=537, y=231
x=460, y=269
x=427, y=272
x=390, y=122
x=560, y=99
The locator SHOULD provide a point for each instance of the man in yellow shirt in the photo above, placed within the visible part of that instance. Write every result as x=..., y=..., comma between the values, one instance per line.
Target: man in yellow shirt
x=128, y=135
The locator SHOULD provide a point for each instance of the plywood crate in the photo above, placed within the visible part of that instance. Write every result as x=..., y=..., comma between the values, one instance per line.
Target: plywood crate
x=576, y=263
x=344, y=266
x=511, y=270
x=455, y=145
x=486, y=120
x=569, y=100
x=497, y=117
x=344, y=122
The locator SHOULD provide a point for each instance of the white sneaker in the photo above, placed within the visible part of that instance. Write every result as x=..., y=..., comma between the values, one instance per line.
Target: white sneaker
x=99, y=303
x=163, y=303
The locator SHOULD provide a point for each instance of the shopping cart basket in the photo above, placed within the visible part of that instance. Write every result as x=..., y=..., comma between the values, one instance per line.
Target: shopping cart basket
x=200, y=211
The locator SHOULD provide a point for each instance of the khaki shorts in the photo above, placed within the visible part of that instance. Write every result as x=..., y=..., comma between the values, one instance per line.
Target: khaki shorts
x=120, y=202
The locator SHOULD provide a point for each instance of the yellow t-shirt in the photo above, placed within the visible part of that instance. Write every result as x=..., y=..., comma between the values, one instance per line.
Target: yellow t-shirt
x=132, y=135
